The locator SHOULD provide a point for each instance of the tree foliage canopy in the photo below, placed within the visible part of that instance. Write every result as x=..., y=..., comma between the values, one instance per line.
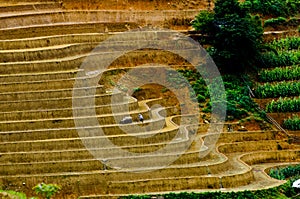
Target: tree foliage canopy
x=235, y=35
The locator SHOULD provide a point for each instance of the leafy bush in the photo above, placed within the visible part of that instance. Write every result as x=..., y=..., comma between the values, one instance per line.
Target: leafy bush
x=46, y=190
x=229, y=26
x=238, y=101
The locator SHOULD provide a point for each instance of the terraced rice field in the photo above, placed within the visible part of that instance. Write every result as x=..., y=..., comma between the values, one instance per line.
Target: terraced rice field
x=42, y=47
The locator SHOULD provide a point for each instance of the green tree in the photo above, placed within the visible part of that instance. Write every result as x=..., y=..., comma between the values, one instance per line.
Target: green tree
x=46, y=190
x=235, y=35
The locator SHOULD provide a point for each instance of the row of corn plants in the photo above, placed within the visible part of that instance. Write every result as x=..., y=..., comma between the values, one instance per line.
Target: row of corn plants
x=288, y=43
x=280, y=74
x=281, y=89
x=273, y=59
x=284, y=105
x=292, y=123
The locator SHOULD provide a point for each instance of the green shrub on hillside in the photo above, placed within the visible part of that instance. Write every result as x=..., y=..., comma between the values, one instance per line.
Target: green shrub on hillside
x=239, y=103
x=46, y=190
x=228, y=26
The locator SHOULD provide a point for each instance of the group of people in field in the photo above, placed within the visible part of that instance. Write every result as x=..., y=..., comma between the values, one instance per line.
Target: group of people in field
x=128, y=119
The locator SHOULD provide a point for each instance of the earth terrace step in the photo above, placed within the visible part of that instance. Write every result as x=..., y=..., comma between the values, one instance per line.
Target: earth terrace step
x=51, y=84
x=153, y=17
x=225, y=181
x=236, y=136
x=55, y=52
x=110, y=49
x=76, y=144
x=74, y=62
x=53, y=144
x=50, y=94
x=295, y=138
x=120, y=107
x=65, y=28
x=25, y=77
x=252, y=158
x=75, y=182
x=64, y=64
x=95, y=184
x=48, y=153
x=65, y=154
x=10, y=9
x=72, y=132
x=45, y=157
x=44, y=53
x=92, y=164
x=269, y=36
x=181, y=183
x=263, y=145
x=191, y=155
x=56, y=133
x=67, y=122
x=120, y=140
x=82, y=187
x=24, y=161
x=225, y=138
x=61, y=102
x=266, y=183
x=135, y=161
x=55, y=40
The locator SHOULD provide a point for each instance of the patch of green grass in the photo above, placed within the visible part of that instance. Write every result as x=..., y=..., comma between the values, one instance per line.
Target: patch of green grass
x=14, y=194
